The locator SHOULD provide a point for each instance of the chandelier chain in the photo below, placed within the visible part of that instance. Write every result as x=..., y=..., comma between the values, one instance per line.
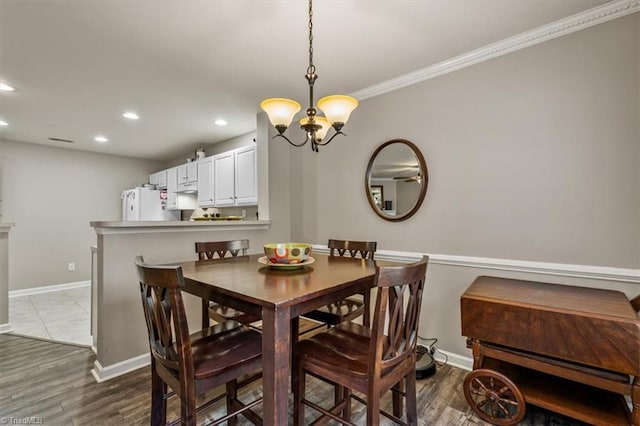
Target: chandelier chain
x=312, y=68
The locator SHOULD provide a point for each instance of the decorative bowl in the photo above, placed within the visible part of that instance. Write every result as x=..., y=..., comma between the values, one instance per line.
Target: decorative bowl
x=287, y=253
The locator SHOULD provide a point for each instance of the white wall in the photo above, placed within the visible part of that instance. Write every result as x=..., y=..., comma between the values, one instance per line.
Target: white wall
x=51, y=194
x=532, y=156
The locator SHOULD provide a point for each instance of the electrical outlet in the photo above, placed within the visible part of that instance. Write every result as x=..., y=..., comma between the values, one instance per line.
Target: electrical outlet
x=72, y=266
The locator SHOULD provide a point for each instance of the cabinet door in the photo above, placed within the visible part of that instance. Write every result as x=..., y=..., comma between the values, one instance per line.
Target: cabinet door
x=246, y=184
x=182, y=174
x=159, y=179
x=223, y=180
x=172, y=187
x=192, y=172
x=205, y=182
x=153, y=178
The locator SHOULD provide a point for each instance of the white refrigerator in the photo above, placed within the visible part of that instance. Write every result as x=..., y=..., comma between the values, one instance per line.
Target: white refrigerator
x=146, y=204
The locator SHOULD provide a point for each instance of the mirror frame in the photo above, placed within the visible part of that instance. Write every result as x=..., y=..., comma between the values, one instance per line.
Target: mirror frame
x=423, y=190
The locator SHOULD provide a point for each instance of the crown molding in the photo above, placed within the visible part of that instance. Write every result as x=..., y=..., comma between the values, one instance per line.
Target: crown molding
x=598, y=15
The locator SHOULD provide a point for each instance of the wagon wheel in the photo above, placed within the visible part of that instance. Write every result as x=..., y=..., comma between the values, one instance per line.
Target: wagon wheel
x=493, y=397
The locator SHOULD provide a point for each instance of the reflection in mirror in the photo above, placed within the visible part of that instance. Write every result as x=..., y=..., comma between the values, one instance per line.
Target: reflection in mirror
x=396, y=180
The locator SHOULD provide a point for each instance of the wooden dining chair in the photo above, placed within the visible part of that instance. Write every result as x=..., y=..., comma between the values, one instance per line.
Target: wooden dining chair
x=211, y=251
x=370, y=361
x=351, y=307
x=193, y=364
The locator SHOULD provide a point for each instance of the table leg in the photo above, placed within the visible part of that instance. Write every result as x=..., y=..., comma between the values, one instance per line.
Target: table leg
x=276, y=365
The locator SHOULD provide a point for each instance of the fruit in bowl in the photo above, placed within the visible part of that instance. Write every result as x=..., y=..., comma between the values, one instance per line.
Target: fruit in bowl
x=287, y=253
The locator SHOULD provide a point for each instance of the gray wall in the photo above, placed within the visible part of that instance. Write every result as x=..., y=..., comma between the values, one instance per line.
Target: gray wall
x=532, y=156
x=51, y=194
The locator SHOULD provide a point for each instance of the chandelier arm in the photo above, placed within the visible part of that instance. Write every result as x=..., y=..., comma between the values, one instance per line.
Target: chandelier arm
x=292, y=143
x=330, y=139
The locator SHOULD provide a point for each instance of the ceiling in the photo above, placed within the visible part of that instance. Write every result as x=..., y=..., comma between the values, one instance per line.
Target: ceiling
x=77, y=65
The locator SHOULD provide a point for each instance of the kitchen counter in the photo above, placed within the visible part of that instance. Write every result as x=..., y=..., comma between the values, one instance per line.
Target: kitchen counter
x=120, y=335
x=114, y=227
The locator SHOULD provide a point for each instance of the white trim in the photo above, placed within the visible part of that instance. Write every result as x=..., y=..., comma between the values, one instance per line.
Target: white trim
x=108, y=228
x=598, y=15
x=5, y=328
x=48, y=288
x=102, y=374
x=5, y=227
x=604, y=273
x=455, y=360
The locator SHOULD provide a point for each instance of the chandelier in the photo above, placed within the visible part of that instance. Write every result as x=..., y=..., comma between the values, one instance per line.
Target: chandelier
x=336, y=108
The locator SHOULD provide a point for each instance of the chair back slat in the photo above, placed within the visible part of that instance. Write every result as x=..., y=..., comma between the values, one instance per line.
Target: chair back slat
x=209, y=250
x=364, y=249
x=397, y=312
x=164, y=312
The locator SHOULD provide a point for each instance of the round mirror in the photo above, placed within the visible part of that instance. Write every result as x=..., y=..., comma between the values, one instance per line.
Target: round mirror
x=396, y=180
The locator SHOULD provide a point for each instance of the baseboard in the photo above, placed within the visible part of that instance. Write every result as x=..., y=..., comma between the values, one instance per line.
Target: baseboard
x=48, y=288
x=102, y=374
x=455, y=360
x=603, y=273
x=5, y=328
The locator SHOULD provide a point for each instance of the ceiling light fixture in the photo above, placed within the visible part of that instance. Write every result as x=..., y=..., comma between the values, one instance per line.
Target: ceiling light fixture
x=3, y=123
x=130, y=115
x=336, y=108
x=6, y=88
x=220, y=122
x=100, y=139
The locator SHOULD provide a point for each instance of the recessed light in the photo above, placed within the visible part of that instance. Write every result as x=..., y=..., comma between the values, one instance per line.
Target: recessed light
x=130, y=115
x=6, y=88
x=100, y=139
x=220, y=122
x=3, y=123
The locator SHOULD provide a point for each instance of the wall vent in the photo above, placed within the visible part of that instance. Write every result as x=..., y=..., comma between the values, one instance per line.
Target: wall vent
x=61, y=140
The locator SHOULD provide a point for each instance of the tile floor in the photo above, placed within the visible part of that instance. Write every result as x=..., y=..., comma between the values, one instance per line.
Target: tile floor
x=62, y=316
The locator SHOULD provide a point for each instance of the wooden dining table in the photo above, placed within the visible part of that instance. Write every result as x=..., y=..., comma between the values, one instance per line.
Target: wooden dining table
x=280, y=296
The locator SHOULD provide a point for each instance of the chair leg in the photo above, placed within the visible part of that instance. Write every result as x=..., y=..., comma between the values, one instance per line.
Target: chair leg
x=346, y=394
x=373, y=406
x=188, y=410
x=205, y=313
x=396, y=394
x=338, y=394
x=366, y=319
x=412, y=405
x=232, y=396
x=298, y=382
x=158, y=403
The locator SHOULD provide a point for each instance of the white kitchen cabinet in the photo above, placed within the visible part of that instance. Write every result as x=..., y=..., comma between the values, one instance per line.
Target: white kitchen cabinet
x=175, y=199
x=172, y=187
x=235, y=177
x=188, y=177
x=246, y=176
x=224, y=179
x=159, y=179
x=205, y=182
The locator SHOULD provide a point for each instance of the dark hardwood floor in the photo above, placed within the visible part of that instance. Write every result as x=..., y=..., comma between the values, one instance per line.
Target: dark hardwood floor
x=50, y=383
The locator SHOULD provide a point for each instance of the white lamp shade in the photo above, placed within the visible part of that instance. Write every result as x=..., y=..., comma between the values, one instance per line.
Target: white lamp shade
x=320, y=134
x=280, y=110
x=337, y=108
